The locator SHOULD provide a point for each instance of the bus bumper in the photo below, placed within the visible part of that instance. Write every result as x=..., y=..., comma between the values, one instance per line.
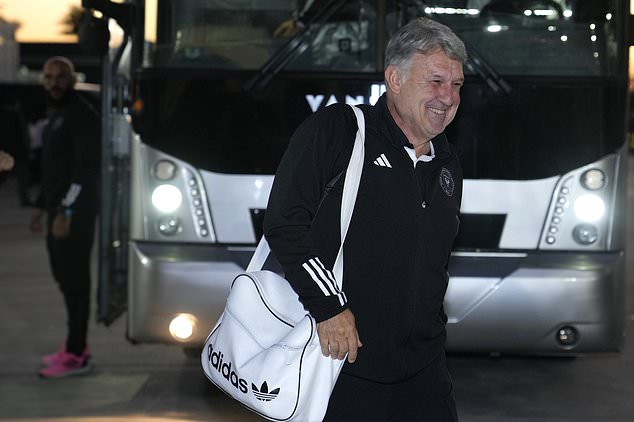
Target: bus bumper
x=495, y=303
x=519, y=303
x=166, y=281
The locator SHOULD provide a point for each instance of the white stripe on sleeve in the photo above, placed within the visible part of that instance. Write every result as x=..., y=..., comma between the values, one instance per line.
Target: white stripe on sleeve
x=71, y=195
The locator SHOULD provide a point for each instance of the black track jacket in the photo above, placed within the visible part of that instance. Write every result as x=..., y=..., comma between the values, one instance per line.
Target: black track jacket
x=70, y=158
x=398, y=243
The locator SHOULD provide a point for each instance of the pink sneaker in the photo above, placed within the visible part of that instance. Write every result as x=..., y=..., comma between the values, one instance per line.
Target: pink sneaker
x=67, y=365
x=48, y=360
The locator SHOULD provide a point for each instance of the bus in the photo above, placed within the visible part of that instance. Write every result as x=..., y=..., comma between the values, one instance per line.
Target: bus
x=213, y=90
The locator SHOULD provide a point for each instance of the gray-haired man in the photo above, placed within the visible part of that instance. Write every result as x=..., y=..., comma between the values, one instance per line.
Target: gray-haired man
x=390, y=320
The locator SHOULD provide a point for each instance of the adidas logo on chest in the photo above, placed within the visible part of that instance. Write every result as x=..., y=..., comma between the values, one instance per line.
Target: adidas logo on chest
x=382, y=161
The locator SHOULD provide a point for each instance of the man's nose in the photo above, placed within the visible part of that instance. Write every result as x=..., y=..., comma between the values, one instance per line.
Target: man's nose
x=446, y=93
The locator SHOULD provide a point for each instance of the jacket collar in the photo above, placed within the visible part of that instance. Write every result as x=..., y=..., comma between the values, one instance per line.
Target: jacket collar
x=398, y=138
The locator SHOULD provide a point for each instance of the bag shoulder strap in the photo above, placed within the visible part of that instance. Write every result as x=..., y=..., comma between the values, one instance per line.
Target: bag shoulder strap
x=350, y=189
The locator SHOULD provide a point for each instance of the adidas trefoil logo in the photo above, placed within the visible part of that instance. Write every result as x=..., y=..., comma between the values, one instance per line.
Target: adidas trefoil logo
x=382, y=161
x=263, y=394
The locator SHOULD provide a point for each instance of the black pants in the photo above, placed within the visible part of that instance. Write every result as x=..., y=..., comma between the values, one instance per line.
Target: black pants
x=427, y=397
x=70, y=265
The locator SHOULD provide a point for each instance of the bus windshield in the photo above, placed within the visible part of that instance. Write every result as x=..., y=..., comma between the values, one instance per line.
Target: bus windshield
x=544, y=78
x=514, y=37
x=219, y=34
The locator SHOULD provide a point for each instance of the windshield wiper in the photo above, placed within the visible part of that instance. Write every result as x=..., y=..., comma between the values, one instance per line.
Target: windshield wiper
x=293, y=48
x=480, y=66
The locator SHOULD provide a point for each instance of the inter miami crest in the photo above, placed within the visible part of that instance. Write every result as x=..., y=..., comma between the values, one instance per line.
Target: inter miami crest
x=446, y=181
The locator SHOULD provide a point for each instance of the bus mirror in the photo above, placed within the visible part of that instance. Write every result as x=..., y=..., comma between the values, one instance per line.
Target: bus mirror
x=93, y=34
x=121, y=12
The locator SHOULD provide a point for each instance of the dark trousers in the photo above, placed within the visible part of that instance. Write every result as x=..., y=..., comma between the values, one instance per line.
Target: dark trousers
x=427, y=397
x=70, y=264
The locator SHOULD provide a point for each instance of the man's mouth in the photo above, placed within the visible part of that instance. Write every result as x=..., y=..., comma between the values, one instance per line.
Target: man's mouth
x=436, y=110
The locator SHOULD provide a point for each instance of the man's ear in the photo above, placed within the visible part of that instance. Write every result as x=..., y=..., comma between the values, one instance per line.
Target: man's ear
x=393, y=79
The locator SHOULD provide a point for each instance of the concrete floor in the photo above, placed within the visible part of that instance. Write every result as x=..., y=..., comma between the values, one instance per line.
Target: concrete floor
x=152, y=383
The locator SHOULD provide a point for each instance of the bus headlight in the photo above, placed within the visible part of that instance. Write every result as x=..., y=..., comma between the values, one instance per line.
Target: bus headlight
x=589, y=208
x=164, y=170
x=182, y=327
x=168, y=225
x=167, y=198
x=585, y=234
x=593, y=179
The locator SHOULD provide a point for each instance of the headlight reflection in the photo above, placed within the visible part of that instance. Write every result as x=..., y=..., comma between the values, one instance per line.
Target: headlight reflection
x=167, y=198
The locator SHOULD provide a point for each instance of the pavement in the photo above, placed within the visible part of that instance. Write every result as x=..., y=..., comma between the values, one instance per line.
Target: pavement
x=157, y=383
x=129, y=382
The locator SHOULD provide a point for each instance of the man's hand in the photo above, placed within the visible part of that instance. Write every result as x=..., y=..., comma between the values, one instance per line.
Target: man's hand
x=286, y=29
x=35, y=221
x=6, y=161
x=61, y=226
x=338, y=336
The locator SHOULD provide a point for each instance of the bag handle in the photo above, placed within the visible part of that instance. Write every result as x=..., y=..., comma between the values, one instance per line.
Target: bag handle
x=350, y=189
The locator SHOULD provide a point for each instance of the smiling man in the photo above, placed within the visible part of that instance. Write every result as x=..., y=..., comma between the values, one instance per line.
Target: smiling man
x=423, y=97
x=389, y=322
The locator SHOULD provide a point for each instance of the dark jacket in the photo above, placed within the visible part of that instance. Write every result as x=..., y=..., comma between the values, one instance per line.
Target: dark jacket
x=70, y=157
x=398, y=243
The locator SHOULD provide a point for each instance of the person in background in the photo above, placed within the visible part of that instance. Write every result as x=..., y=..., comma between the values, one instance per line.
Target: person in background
x=291, y=26
x=389, y=319
x=14, y=141
x=69, y=200
x=6, y=163
x=307, y=11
